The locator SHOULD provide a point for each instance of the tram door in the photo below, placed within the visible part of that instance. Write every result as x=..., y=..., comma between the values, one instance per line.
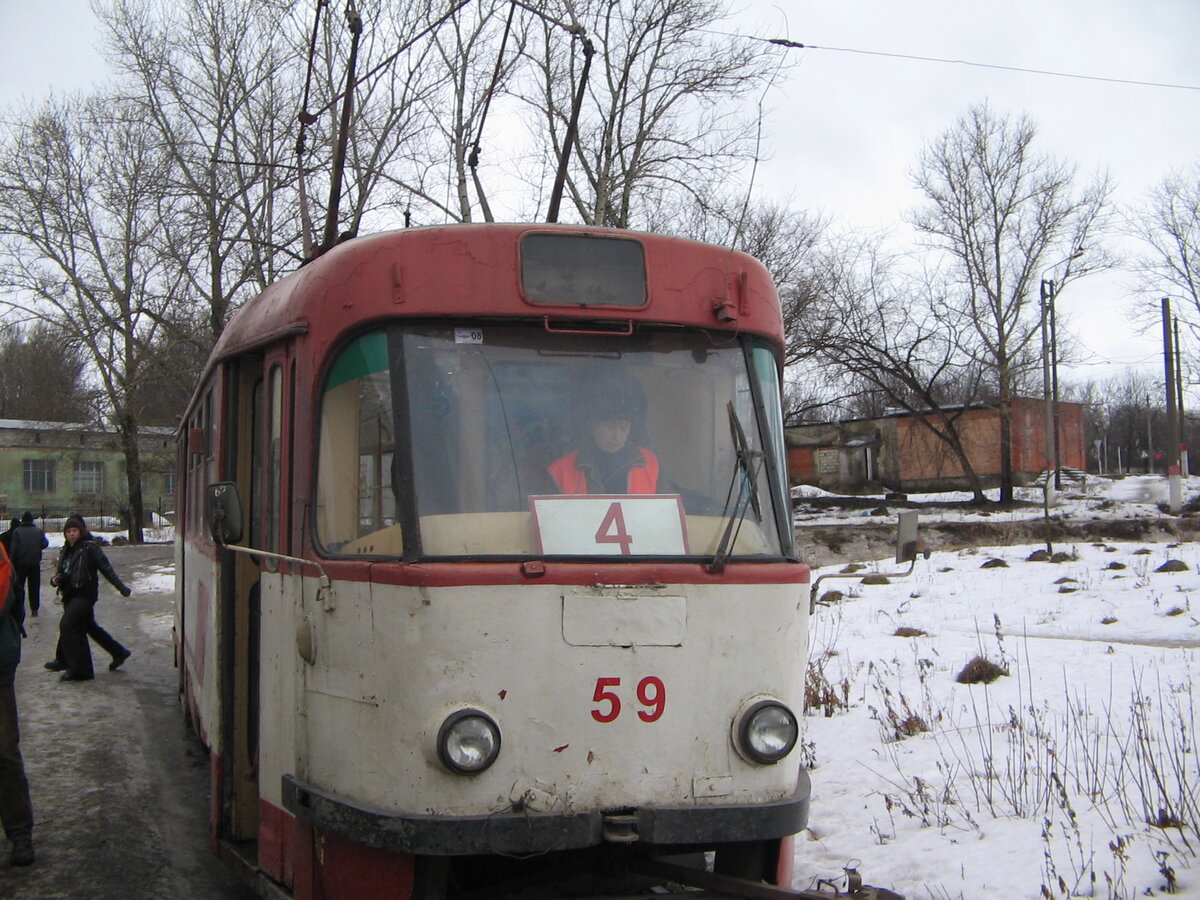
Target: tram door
x=256, y=453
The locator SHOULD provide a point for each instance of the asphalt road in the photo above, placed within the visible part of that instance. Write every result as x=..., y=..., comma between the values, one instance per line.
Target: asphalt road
x=120, y=786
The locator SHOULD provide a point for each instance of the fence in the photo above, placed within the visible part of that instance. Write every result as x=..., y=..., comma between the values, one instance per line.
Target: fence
x=100, y=516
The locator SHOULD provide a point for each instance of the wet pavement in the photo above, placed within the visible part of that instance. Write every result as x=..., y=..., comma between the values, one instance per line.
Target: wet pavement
x=120, y=786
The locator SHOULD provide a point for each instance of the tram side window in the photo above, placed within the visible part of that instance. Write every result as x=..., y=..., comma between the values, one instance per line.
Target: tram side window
x=357, y=448
x=201, y=464
x=274, y=458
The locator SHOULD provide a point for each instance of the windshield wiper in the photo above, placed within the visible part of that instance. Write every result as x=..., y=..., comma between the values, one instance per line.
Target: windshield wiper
x=747, y=465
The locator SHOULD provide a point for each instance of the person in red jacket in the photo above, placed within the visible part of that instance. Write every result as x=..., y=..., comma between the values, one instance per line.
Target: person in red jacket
x=16, y=811
x=608, y=463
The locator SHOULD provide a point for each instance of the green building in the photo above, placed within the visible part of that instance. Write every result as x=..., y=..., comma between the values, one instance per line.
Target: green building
x=54, y=469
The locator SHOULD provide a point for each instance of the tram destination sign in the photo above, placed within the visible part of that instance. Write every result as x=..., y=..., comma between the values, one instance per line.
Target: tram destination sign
x=610, y=524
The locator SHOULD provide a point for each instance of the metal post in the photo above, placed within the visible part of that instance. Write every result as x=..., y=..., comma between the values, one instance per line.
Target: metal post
x=1175, y=490
x=1149, y=439
x=1048, y=412
x=1054, y=390
x=1183, y=449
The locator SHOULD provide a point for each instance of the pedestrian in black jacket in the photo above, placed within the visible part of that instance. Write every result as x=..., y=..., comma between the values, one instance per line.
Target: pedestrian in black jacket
x=80, y=565
x=26, y=546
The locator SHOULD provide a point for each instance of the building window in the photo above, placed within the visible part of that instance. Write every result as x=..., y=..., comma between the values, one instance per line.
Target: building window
x=169, y=483
x=89, y=477
x=39, y=476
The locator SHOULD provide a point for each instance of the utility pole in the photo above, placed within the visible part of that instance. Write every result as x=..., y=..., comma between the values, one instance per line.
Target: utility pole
x=1050, y=370
x=1183, y=448
x=1149, y=438
x=1048, y=413
x=1054, y=390
x=1172, y=456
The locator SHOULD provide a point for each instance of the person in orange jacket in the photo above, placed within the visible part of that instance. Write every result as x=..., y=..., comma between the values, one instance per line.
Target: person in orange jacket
x=608, y=463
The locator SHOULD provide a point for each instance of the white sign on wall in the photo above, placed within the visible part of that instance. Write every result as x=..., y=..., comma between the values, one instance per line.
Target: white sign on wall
x=827, y=462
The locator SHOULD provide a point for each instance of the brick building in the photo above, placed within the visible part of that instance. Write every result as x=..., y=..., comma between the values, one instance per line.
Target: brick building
x=898, y=452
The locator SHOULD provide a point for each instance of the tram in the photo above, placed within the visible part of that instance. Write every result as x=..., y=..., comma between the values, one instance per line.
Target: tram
x=485, y=565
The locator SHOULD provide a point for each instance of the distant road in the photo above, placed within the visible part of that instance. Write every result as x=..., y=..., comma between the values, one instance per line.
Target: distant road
x=119, y=784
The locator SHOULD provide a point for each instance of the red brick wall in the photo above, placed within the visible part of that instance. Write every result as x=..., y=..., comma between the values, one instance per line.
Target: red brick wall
x=802, y=467
x=923, y=456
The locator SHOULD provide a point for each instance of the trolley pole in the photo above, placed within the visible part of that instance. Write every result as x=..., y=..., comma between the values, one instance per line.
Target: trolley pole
x=1172, y=457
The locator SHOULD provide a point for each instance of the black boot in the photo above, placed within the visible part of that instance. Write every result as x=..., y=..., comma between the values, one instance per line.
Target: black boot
x=22, y=851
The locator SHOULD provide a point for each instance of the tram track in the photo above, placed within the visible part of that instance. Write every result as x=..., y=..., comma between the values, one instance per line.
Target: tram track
x=656, y=878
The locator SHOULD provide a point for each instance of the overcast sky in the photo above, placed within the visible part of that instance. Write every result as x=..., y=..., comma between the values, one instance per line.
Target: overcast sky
x=847, y=126
x=844, y=126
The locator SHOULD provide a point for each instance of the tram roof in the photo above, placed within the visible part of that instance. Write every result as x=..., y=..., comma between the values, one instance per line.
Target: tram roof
x=474, y=270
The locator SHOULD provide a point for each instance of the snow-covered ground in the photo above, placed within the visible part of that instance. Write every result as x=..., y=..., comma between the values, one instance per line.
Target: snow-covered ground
x=1095, y=498
x=1054, y=780
x=160, y=532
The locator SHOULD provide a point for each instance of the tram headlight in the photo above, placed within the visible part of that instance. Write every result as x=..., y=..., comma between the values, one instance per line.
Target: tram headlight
x=468, y=742
x=766, y=732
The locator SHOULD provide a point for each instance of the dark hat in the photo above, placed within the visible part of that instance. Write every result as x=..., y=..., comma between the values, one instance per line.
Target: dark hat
x=27, y=517
x=612, y=395
x=75, y=521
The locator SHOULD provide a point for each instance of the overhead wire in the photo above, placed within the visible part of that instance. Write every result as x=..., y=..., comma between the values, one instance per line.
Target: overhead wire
x=787, y=43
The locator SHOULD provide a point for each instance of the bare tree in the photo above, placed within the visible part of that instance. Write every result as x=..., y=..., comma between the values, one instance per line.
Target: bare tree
x=795, y=246
x=1133, y=419
x=480, y=49
x=891, y=340
x=400, y=81
x=84, y=188
x=213, y=78
x=1002, y=214
x=662, y=111
x=43, y=375
x=1169, y=226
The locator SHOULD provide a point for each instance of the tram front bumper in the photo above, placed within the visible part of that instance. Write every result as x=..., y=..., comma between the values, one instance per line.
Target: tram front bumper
x=530, y=832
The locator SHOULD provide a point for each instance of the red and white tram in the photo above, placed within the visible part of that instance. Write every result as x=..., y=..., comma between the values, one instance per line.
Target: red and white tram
x=460, y=647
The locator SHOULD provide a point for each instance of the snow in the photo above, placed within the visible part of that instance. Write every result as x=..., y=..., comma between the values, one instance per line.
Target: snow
x=1041, y=783
x=1095, y=498
x=108, y=531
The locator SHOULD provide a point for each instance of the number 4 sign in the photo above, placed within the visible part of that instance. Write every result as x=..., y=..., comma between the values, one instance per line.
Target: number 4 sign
x=610, y=525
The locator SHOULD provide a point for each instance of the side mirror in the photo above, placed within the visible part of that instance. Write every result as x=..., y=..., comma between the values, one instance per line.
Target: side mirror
x=906, y=537
x=223, y=512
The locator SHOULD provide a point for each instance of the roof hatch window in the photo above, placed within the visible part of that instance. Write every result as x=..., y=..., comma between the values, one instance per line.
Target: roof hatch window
x=582, y=270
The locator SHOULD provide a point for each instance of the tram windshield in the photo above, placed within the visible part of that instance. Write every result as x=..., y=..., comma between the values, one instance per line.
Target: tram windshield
x=509, y=440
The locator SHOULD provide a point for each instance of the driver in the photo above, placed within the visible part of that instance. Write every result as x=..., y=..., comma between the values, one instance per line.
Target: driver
x=608, y=463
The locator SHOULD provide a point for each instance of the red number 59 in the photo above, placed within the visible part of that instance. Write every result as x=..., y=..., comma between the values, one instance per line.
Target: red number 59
x=651, y=693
